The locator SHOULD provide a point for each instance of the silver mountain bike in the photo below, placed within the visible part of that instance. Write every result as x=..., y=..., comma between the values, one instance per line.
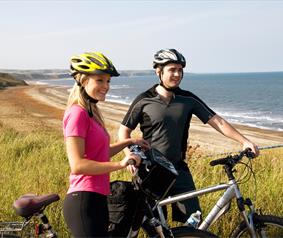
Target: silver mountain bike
x=254, y=223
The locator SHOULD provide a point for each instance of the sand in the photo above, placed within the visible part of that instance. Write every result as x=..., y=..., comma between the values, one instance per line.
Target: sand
x=30, y=108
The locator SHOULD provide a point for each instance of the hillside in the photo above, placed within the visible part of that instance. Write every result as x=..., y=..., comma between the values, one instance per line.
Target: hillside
x=7, y=80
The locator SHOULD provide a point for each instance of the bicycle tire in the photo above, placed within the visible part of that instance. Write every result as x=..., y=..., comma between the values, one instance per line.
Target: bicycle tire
x=185, y=231
x=271, y=225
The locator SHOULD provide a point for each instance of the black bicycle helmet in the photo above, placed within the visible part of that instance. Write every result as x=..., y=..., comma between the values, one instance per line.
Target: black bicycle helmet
x=167, y=56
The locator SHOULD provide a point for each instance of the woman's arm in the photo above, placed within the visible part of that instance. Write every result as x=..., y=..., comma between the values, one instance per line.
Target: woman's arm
x=120, y=145
x=80, y=165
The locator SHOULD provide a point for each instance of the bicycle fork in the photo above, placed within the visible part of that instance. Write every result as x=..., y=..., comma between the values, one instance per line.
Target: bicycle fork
x=248, y=217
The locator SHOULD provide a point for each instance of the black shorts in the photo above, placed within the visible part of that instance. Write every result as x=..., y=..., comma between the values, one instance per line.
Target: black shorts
x=86, y=214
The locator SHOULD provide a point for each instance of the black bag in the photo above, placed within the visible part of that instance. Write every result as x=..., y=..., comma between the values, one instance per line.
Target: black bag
x=156, y=179
x=121, y=206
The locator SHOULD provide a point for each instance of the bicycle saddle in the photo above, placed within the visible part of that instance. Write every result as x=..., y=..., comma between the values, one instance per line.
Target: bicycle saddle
x=29, y=204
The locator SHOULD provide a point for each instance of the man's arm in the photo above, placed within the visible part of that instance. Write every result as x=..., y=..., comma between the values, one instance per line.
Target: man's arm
x=224, y=127
x=124, y=133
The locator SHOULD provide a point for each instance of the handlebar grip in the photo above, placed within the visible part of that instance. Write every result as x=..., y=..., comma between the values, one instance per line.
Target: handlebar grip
x=218, y=161
x=249, y=153
x=234, y=159
x=131, y=162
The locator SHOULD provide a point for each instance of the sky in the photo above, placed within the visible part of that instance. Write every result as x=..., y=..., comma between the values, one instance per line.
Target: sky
x=214, y=36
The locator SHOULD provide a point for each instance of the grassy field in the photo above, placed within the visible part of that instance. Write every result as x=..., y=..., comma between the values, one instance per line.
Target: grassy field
x=36, y=163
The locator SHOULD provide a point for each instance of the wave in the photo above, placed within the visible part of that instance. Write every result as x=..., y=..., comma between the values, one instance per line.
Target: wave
x=257, y=125
x=118, y=101
x=258, y=116
x=263, y=120
x=115, y=87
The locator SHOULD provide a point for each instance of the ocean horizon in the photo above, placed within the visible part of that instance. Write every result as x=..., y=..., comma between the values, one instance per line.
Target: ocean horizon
x=252, y=99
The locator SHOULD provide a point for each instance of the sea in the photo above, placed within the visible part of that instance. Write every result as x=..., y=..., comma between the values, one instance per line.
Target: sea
x=252, y=99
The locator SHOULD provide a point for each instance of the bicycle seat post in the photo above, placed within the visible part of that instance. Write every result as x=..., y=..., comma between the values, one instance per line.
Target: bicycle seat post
x=46, y=227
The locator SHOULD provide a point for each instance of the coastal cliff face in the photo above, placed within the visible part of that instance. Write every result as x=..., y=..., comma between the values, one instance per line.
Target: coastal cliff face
x=7, y=80
x=30, y=75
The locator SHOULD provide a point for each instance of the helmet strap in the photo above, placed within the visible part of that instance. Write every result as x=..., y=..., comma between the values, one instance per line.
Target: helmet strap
x=90, y=113
x=78, y=83
x=167, y=89
x=89, y=100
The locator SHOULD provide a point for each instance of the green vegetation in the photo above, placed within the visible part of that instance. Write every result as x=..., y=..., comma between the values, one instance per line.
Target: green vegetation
x=32, y=163
x=36, y=163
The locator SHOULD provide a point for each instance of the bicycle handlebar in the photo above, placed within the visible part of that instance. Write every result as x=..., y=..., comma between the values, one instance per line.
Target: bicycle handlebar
x=232, y=160
x=228, y=160
x=131, y=162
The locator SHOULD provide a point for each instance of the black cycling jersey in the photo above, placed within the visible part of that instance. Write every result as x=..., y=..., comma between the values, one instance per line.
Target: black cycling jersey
x=165, y=126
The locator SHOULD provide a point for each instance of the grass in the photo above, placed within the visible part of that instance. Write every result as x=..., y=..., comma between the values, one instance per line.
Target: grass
x=36, y=163
x=32, y=163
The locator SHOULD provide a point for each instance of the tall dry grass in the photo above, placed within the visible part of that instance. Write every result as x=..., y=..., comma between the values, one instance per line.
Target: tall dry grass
x=36, y=163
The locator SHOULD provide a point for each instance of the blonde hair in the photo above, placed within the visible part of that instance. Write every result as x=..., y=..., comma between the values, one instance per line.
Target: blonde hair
x=76, y=97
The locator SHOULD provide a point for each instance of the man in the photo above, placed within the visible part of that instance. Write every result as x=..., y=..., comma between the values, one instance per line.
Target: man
x=164, y=113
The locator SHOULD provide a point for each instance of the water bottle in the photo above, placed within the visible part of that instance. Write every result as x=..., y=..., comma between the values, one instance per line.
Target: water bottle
x=194, y=219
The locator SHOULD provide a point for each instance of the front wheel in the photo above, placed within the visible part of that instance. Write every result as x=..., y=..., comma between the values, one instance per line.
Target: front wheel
x=185, y=231
x=265, y=226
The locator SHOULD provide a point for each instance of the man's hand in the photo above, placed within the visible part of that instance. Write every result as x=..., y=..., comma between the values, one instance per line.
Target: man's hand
x=252, y=146
x=141, y=142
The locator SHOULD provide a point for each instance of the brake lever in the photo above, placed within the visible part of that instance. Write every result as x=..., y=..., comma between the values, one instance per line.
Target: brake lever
x=147, y=164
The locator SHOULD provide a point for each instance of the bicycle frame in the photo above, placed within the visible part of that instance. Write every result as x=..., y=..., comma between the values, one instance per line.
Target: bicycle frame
x=231, y=191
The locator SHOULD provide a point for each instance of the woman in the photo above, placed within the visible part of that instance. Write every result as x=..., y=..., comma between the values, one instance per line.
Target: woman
x=87, y=145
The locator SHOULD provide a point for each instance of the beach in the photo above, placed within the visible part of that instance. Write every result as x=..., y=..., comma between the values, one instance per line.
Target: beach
x=34, y=107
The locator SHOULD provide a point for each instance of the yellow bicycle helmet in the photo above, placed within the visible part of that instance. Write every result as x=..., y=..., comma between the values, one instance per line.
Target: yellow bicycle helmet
x=92, y=63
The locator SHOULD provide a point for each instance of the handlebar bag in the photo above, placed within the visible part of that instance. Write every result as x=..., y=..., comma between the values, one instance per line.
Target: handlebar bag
x=158, y=176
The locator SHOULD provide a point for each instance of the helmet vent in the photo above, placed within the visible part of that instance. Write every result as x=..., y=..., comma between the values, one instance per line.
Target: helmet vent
x=76, y=60
x=84, y=67
x=95, y=61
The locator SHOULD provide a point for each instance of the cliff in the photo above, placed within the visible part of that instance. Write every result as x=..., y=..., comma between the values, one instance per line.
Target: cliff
x=7, y=80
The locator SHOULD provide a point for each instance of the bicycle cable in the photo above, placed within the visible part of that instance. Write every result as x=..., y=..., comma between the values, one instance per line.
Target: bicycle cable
x=247, y=177
x=245, y=174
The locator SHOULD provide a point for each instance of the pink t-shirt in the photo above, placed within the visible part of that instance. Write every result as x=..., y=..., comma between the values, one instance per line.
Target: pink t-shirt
x=76, y=122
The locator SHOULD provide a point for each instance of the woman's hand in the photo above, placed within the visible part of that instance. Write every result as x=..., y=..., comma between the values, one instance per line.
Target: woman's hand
x=127, y=161
x=141, y=142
